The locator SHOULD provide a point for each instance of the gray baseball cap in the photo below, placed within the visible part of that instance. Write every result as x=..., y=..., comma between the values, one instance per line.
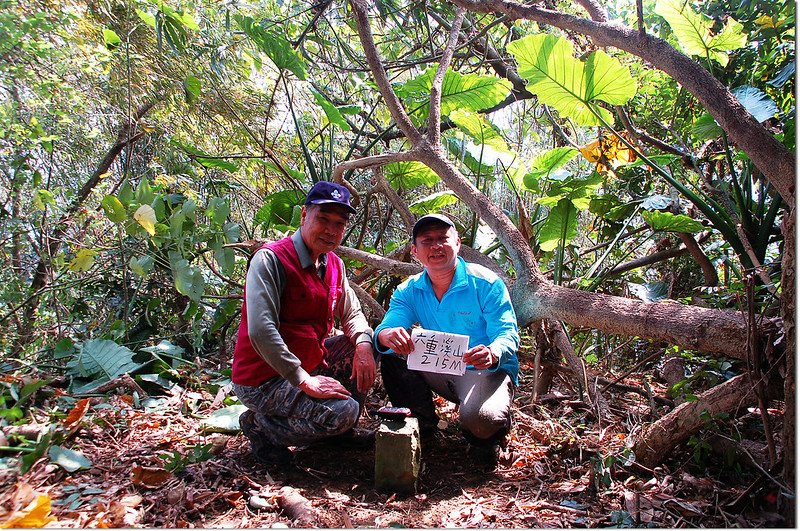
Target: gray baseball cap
x=428, y=220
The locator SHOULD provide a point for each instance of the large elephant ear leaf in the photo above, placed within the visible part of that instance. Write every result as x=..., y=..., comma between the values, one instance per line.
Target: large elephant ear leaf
x=408, y=175
x=693, y=31
x=467, y=92
x=479, y=129
x=569, y=85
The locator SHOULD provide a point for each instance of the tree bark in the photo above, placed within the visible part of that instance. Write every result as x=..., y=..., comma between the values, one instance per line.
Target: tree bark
x=655, y=441
x=788, y=312
x=693, y=327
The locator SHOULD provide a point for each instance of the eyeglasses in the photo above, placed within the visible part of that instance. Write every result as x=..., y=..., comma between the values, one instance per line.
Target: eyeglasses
x=430, y=242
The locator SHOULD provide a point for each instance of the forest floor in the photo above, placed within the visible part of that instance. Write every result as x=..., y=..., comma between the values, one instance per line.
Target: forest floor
x=561, y=468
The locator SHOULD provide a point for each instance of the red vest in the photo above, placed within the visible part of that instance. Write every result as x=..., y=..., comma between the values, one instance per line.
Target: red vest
x=306, y=316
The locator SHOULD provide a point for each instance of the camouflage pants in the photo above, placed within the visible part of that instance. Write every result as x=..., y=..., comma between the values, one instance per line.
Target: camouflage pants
x=484, y=397
x=285, y=416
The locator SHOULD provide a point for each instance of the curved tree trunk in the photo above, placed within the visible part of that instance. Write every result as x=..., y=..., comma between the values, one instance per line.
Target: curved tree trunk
x=655, y=441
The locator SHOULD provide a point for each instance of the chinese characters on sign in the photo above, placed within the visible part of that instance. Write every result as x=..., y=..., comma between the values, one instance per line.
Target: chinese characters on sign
x=438, y=352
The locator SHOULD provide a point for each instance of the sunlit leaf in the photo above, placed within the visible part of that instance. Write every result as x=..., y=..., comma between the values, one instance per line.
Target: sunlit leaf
x=191, y=87
x=274, y=46
x=142, y=265
x=225, y=420
x=83, y=261
x=466, y=92
x=114, y=209
x=333, y=114
x=147, y=18
x=669, y=222
x=478, y=129
x=408, y=175
x=546, y=163
x=36, y=514
x=111, y=39
x=43, y=198
x=433, y=202
x=693, y=31
x=146, y=217
x=568, y=85
x=279, y=208
x=561, y=226
x=69, y=460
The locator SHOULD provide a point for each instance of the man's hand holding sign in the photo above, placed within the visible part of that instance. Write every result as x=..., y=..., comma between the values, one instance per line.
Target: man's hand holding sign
x=434, y=351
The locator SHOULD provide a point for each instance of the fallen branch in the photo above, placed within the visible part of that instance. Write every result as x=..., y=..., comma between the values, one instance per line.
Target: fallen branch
x=296, y=506
x=653, y=442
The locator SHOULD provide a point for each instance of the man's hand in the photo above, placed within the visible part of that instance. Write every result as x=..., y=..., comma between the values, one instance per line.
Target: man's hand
x=363, y=367
x=323, y=387
x=398, y=339
x=480, y=357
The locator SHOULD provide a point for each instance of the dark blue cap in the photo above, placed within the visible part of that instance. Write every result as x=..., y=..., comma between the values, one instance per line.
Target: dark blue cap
x=430, y=219
x=326, y=192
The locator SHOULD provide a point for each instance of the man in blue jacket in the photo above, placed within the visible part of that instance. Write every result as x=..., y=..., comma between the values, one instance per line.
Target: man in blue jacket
x=457, y=297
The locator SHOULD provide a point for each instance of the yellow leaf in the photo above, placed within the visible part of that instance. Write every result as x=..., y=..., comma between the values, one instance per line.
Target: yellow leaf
x=146, y=217
x=591, y=151
x=36, y=514
x=104, y=175
x=608, y=152
x=767, y=22
x=83, y=261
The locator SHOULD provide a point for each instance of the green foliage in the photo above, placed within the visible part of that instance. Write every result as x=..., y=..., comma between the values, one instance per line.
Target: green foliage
x=100, y=360
x=569, y=85
x=175, y=461
x=225, y=420
x=409, y=175
x=333, y=114
x=434, y=202
x=274, y=46
x=460, y=92
x=545, y=166
x=669, y=222
x=693, y=31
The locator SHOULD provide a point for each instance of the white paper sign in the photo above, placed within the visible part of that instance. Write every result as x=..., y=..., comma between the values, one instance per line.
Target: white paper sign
x=438, y=352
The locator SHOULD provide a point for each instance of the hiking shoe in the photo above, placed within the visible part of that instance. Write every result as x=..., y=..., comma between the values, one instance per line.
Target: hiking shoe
x=264, y=452
x=354, y=438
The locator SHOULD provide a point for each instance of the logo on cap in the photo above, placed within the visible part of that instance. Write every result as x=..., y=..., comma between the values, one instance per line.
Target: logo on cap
x=326, y=192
